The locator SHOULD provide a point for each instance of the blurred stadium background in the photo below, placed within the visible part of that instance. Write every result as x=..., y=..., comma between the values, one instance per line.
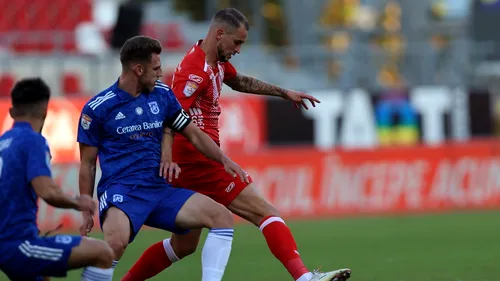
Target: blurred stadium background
x=396, y=174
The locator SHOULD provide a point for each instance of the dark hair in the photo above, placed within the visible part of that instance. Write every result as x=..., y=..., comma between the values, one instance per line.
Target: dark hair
x=30, y=91
x=27, y=94
x=232, y=17
x=139, y=49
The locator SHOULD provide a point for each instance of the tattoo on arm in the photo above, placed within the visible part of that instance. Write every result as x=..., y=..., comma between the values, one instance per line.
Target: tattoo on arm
x=251, y=85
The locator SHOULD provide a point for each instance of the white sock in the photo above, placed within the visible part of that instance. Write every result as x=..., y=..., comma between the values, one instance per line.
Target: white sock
x=215, y=253
x=305, y=277
x=91, y=273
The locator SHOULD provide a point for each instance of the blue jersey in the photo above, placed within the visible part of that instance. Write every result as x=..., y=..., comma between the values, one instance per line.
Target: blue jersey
x=24, y=155
x=128, y=131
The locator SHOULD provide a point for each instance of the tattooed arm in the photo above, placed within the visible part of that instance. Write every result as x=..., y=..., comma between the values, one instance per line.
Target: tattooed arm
x=251, y=85
x=247, y=84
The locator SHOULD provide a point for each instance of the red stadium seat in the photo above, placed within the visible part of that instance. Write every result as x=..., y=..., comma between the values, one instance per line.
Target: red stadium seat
x=48, y=16
x=71, y=84
x=174, y=38
x=7, y=82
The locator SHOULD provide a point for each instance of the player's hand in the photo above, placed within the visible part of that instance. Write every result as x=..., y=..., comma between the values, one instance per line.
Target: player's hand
x=235, y=170
x=86, y=204
x=87, y=224
x=299, y=99
x=169, y=170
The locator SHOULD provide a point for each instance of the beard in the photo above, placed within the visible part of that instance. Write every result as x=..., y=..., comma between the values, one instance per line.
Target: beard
x=146, y=89
x=222, y=57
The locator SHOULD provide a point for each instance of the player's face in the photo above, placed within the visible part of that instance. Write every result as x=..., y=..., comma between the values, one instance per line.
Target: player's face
x=230, y=43
x=152, y=72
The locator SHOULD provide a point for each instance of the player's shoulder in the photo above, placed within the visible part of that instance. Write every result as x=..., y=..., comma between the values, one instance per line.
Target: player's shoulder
x=102, y=101
x=31, y=138
x=193, y=61
x=161, y=87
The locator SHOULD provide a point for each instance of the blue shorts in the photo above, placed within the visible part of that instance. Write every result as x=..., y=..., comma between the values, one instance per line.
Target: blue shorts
x=32, y=259
x=154, y=207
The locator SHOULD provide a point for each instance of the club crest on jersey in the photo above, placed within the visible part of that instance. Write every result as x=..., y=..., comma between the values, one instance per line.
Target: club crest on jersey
x=195, y=78
x=154, y=107
x=86, y=121
x=190, y=88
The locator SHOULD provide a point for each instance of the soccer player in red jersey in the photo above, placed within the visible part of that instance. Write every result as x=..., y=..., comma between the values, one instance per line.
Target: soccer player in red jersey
x=197, y=85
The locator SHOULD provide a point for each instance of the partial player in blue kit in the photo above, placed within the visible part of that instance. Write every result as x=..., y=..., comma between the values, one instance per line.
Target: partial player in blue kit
x=124, y=126
x=25, y=175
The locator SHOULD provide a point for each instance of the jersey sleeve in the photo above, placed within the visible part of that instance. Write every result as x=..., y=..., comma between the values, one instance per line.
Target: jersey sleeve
x=38, y=158
x=90, y=127
x=175, y=118
x=188, y=84
x=229, y=71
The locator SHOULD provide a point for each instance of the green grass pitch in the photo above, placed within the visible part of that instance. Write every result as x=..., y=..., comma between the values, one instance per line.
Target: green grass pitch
x=445, y=247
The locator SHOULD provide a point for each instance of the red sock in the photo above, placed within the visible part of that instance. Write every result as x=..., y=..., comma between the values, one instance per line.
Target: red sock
x=282, y=244
x=153, y=261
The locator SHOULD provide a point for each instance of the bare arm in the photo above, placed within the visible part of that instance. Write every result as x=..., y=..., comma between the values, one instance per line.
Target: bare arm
x=86, y=177
x=252, y=85
x=52, y=194
x=166, y=145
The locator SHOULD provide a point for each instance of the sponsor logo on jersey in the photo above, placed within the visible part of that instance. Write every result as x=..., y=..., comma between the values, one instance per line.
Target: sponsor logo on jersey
x=139, y=127
x=86, y=121
x=230, y=187
x=119, y=116
x=195, y=78
x=117, y=198
x=64, y=239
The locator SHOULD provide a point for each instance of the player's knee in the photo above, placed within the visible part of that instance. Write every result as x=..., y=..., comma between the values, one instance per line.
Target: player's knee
x=105, y=255
x=97, y=252
x=221, y=217
x=117, y=246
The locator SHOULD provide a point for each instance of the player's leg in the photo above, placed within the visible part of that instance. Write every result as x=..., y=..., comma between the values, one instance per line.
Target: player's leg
x=122, y=212
x=116, y=228
x=184, y=209
x=91, y=252
x=201, y=211
x=161, y=255
x=55, y=256
x=249, y=205
x=97, y=258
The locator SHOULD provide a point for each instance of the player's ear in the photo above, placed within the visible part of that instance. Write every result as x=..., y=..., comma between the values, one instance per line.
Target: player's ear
x=220, y=33
x=138, y=69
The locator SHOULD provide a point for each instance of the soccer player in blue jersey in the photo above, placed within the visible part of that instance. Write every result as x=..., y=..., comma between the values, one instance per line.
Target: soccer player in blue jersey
x=24, y=176
x=124, y=126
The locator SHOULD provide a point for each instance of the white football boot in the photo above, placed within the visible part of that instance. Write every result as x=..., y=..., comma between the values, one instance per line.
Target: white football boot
x=336, y=275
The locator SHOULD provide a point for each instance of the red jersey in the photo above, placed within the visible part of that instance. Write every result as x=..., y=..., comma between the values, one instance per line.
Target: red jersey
x=198, y=86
